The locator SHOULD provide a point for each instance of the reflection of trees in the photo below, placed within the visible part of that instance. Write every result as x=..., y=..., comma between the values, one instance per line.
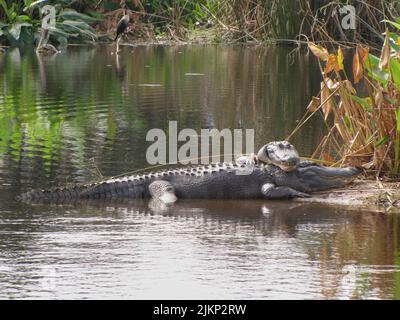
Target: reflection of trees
x=364, y=255
x=353, y=253
x=356, y=252
x=59, y=112
x=259, y=88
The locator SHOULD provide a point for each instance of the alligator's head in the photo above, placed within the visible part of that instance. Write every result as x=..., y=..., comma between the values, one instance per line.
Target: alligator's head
x=279, y=153
x=314, y=177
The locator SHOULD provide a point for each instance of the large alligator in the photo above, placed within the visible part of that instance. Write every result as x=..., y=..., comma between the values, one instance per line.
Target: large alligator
x=275, y=173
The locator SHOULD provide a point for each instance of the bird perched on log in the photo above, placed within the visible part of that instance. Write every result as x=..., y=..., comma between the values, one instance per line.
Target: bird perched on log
x=122, y=25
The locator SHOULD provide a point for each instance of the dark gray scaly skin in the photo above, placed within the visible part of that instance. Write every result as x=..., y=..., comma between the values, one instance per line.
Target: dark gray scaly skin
x=214, y=181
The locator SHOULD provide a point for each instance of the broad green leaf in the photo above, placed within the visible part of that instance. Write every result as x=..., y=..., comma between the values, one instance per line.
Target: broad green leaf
x=395, y=70
x=348, y=123
x=372, y=66
x=63, y=41
x=398, y=119
x=15, y=29
x=371, y=62
x=395, y=24
x=381, y=141
x=340, y=58
x=364, y=102
x=24, y=18
x=5, y=8
x=95, y=15
x=78, y=26
x=70, y=14
x=33, y=4
x=57, y=32
x=26, y=36
x=390, y=100
x=394, y=40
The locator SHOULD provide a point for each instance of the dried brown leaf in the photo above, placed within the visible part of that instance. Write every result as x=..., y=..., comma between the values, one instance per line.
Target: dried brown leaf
x=379, y=98
x=368, y=165
x=358, y=68
x=385, y=54
x=341, y=108
x=314, y=104
x=349, y=86
x=332, y=84
x=327, y=157
x=332, y=64
x=327, y=103
x=362, y=53
x=320, y=52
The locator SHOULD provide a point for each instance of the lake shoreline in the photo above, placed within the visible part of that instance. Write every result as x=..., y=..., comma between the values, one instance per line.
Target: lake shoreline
x=362, y=194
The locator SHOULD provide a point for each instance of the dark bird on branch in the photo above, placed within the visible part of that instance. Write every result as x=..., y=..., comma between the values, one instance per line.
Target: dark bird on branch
x=122, y=25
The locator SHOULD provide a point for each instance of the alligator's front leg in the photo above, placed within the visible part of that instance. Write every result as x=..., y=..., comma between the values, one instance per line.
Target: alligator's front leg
x=162, y=191
x=271, y=191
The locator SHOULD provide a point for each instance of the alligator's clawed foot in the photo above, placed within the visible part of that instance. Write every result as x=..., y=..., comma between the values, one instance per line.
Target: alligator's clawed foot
x=271, y=191
x=248, y=161
x=302, y=195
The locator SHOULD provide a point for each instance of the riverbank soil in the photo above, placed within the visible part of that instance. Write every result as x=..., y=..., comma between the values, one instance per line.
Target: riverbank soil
x=362, y=194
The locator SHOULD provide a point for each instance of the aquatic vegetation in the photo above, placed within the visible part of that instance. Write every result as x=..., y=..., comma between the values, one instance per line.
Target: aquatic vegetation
x=21, y=21
x=287, y=21
x=362, y=110
x=298, y=20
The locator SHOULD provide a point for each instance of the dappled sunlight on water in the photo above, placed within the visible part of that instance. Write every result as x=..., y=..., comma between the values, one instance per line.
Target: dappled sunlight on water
x=85, y=113
x=197, y=249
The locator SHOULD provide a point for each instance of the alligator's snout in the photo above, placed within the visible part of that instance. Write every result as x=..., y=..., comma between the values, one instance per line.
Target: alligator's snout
x=316, y=177
x=289, y=160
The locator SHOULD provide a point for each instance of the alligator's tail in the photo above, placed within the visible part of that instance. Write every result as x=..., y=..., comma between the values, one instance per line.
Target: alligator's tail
x=56, y=195
x=119, y=188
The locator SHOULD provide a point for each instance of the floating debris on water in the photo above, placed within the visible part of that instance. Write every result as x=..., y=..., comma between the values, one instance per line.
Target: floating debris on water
x=149, y=85
x=194, y=74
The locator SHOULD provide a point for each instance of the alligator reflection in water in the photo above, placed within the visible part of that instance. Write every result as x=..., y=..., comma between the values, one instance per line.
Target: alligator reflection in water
x=263, y=237
x=338, y=243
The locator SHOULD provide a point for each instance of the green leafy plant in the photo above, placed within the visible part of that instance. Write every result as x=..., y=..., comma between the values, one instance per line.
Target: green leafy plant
x=363, y=113
x=22, y=22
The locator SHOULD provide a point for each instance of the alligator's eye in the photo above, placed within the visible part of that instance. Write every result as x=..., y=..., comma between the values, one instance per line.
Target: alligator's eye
x=169, y=189
x=280, y=145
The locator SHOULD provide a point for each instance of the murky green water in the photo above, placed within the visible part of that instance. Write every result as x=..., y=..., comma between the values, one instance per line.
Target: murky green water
x=66, y=118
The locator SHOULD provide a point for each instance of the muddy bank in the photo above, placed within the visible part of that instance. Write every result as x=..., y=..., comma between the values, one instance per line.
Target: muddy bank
x=362, y=194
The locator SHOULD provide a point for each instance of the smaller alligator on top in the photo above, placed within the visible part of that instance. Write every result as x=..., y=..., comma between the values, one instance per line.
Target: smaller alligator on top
x=279, y=153
x=275, y=173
